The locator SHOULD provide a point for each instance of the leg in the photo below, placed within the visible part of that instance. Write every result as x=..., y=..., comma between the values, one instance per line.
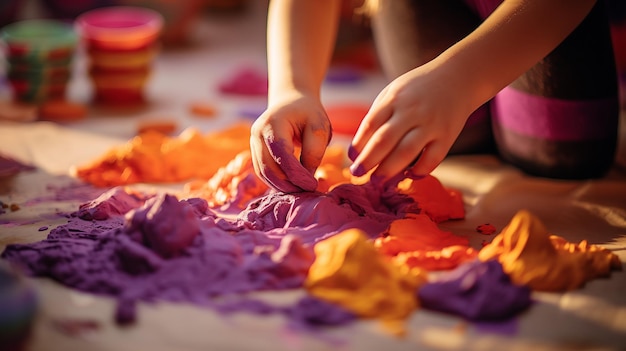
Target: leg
x=409, y=33
x=560, y=118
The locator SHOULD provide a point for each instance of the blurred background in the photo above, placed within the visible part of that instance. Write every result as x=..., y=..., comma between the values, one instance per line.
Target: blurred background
x=180, y=15
x=195, y=36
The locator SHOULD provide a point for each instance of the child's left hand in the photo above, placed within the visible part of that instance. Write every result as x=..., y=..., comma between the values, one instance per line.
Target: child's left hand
x=419, y=114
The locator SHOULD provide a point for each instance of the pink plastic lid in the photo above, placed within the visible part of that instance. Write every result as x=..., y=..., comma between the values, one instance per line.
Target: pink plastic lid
x=120, y=27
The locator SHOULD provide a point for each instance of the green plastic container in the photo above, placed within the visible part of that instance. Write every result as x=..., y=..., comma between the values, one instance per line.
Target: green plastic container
x=38, y=41
x=39, y=54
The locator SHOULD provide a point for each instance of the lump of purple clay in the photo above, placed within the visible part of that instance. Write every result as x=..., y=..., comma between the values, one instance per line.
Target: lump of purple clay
x=164, y=224
x=478, y=291
x=315, y=216
x=114, y=202
x=284, y=267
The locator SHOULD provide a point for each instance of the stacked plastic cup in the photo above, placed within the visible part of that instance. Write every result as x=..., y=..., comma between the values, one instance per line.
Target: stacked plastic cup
x=121, y=43
x=39, y=55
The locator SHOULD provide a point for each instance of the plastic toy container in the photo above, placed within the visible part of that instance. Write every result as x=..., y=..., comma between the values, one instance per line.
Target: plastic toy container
x=39, y=55
x=121, y=43
x=119, y=28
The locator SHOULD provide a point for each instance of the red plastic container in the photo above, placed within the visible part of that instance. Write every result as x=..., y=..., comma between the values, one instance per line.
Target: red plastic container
x=122, y=42
x=119, y=28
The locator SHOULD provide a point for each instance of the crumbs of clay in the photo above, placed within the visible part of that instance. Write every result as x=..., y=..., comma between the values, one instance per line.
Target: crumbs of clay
x=486, y=229
x=203, y=109
x=164, y=126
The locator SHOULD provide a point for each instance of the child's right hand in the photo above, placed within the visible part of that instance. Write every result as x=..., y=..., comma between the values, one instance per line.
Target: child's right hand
x=295, y=120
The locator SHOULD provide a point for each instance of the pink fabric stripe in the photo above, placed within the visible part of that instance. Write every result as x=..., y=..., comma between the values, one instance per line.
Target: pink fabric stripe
x=555, y=119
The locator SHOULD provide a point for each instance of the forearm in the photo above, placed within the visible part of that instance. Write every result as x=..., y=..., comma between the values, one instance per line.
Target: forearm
x=515, y=37
x=300, y=42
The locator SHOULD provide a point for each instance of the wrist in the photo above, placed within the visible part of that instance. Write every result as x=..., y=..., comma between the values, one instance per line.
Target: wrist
x=289, y=92
x=458, y=79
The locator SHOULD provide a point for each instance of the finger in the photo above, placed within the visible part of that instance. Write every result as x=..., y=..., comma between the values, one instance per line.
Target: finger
x=281, y=151
x=378, y=114
x=315, y=139
x=378, y=147
x=403, y=155
x=264, y=166
x=267, y=169
x=431, y=157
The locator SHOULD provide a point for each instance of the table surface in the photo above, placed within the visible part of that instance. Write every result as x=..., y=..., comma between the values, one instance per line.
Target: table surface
x=593, y=317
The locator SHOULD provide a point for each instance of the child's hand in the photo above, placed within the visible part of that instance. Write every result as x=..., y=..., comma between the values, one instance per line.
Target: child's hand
x=419, y=114
x=294, y=121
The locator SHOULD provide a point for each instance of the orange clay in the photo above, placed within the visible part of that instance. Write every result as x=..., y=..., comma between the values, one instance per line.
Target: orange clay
x=62, y=111
x=438, y=202
x=531, y=256
x=202, y=109
x=346, y=118
x=155, y=158
x=328, y=176
x=332, y=170
x=416, y=232
x=348, y=271
x=235, y=184
x=160, y=126
x=444, y=259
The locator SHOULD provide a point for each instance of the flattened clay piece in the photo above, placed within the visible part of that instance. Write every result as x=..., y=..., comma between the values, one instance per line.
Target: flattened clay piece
x=532, y=256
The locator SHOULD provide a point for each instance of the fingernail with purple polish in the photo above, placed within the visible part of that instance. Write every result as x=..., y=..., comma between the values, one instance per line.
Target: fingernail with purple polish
x=357, y=170
x=352, y=153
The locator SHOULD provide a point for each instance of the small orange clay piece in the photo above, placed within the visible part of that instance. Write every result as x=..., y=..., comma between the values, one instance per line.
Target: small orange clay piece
x=444, y=259
x=486, y=229
x=14, y=207
x=332, y=170
x=329, y=175
x=436, y=201
x=531, y=256
x=161, y=126
x=202, y=109
x=62, y=111
x=416, y=232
